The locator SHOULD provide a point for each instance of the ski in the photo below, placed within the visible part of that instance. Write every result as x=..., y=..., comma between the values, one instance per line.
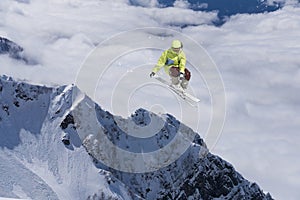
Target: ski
x=192, y=100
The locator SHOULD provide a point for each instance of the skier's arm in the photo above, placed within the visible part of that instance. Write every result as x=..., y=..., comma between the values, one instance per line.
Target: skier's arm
x=161, y=62
x=182, y=62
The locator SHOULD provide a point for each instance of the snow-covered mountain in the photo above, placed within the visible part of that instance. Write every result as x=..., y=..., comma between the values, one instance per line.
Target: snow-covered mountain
x=36, y=164
x=14, y=51
x=10, y=48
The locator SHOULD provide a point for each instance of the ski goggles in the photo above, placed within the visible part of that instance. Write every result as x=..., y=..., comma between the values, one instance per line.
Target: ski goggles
x=176, y=50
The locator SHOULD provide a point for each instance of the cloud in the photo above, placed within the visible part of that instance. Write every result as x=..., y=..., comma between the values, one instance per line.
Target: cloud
x=181, y=4
x=286, y=2
x=257, y=55
x=173, y=16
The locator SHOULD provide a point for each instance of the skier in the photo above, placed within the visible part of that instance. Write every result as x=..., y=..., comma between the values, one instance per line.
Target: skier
x=173, y=60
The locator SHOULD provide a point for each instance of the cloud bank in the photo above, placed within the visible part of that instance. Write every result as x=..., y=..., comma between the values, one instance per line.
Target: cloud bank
x=257, y=56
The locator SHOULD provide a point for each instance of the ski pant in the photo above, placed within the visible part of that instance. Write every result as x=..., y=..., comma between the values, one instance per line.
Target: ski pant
x=174, y=74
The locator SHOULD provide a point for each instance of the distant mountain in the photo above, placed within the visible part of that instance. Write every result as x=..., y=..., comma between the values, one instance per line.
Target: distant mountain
x=14, y=51
x=10, y=48
x=103, y=161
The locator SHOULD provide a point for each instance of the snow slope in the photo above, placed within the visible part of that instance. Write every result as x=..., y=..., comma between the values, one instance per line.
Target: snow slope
x=104, y=160
x=34, y=162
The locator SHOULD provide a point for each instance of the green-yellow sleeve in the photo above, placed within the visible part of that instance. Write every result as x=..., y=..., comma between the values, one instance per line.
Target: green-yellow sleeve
x=161, y=62
x=182, y=62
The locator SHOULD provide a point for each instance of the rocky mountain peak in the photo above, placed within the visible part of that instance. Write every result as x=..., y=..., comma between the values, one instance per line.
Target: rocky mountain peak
x=144, y=156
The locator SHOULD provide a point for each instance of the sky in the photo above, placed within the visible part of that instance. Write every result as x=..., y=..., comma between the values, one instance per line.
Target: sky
x=255, y=56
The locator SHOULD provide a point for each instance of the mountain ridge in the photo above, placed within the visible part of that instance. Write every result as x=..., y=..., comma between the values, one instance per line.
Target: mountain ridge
x=192, y=174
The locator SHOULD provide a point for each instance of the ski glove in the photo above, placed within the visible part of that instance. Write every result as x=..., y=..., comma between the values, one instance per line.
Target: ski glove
x=152, y=74
x=181, y=76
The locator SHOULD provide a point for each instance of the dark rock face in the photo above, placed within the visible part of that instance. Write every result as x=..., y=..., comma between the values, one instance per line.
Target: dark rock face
x=11, y=48
x=69, y=119
x=215, y=178
x=14, y=51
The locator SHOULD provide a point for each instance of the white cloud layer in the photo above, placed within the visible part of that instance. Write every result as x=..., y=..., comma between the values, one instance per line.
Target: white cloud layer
x=181, y=4
x=173, y=16
x=257, y=55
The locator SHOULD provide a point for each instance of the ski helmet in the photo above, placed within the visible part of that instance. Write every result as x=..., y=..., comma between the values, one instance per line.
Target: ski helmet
x=176, y=44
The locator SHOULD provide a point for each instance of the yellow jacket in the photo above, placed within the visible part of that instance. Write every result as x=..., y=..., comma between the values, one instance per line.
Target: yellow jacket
x=170, y=58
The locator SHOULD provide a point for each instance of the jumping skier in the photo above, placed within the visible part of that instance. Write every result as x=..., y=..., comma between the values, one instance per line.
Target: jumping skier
x=173, y=60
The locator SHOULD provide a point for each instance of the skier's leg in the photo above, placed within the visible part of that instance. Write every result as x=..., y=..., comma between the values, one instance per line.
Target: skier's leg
x=187, y=76
x=184, y=84
x=174, y=75
x=174, y=80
